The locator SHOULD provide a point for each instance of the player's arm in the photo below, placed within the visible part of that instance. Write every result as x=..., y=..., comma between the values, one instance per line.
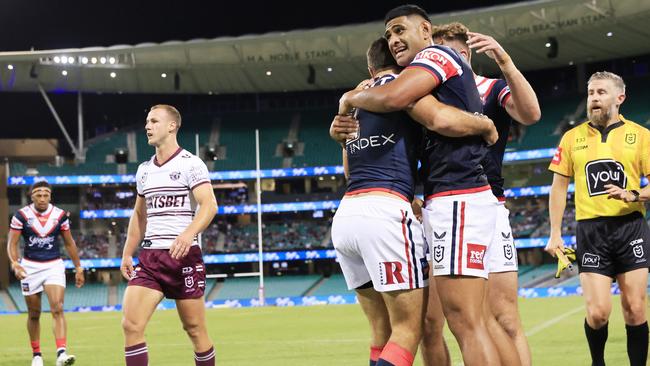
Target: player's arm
x=204, y=197
x=522, y=105
x=556, y=207
x=412, y=84
x=450, y=121
x=13, y=253
x=134, y=236
x=71, y=248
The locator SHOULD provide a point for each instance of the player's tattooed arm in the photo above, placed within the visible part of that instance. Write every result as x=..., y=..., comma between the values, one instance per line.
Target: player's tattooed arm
x=450, y=121
x=204, y=196
x=556, y=206
x=522, y=105
x=71, y=248
x=14, y=256
x=134, y=236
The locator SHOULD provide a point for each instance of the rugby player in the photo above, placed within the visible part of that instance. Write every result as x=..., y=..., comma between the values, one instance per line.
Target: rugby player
x=165, y=224
x=460, y=211
x=41, y=269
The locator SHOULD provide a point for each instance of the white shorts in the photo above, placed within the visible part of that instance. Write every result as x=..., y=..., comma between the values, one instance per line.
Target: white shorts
x=502, y=252
x=41, y=273
x=379, y=239
x=459, y=230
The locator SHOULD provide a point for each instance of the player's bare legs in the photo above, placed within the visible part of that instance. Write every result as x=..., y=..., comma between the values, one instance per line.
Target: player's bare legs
x=55, y=295
x=33, y=320
x=596, y=290
x=138, y=306
x=372, y=304
x=633, y=287
x=433, y=347
x=504, y=344
x=406, y=311
x=503, y=302
x=462, y=303
x=192, y=314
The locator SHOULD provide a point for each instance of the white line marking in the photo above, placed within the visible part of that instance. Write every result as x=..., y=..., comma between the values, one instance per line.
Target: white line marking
x=550, y=322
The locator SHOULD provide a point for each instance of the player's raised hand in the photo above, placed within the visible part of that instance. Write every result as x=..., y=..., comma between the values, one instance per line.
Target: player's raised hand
x=181, y=246
x=482, y=43
x=618, y=193
x=79, y=278
x=555, y=242
x=343, y=128
x=19, y=271
x=126, y=267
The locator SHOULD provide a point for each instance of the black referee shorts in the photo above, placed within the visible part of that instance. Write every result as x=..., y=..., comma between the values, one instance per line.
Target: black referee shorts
x=613, y=245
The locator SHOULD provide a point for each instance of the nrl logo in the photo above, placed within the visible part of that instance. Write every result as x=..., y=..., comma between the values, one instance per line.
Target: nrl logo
x=438, y=253
x=630, y=138
x=507, y=251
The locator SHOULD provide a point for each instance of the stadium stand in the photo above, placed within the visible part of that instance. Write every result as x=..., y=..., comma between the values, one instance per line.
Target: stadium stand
x=244, y=288
x=333, y=285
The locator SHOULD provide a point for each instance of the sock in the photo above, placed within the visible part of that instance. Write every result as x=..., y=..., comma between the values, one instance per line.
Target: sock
x=394, y=355
x=204, y=358
x=637, y=344
x=136, y=355
x=60, y=346
x=36, y=348
x=596, y=339
x=374, y=355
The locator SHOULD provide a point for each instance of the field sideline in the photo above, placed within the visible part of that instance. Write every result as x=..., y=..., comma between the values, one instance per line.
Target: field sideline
x=314, y=335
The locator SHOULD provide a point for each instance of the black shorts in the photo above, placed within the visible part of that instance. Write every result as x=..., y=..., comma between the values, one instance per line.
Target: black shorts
x=613, y=245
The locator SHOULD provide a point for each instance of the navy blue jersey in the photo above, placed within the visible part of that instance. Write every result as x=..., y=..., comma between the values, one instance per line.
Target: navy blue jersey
x=40, y=231
x=385, y=154
x=494, y=94
x=452, y=165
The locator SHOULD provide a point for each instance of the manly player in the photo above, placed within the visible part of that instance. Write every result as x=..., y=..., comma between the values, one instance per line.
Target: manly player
x=165, y=224
x=460, y=212
x=41, y=269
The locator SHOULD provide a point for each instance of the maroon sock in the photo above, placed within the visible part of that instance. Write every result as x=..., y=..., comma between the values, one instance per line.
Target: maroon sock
x=136, y=355
x=204, y=358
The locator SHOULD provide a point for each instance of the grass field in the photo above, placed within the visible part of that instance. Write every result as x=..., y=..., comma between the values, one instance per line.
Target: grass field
x=315, y=335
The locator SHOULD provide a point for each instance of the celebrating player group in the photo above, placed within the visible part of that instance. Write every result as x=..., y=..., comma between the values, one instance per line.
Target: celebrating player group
x=426, y=117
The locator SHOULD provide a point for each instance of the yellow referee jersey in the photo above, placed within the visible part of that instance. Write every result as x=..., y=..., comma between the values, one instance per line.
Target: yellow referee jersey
x=594, y=157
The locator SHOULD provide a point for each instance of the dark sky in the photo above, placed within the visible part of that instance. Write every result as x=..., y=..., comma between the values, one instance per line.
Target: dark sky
x=72, y=23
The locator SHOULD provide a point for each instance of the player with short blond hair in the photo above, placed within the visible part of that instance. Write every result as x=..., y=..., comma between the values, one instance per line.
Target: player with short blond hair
x=165, y=224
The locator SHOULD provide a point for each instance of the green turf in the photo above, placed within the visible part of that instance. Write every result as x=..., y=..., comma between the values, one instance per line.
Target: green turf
x=316, y=335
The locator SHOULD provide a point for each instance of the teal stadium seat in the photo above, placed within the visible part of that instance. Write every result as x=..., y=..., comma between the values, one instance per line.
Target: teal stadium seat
x=334, y=285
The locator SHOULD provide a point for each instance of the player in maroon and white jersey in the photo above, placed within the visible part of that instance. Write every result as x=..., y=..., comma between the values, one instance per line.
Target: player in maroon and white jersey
x=165, y=223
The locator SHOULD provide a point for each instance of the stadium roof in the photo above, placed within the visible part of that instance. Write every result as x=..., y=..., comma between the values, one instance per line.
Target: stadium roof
x=328, y=58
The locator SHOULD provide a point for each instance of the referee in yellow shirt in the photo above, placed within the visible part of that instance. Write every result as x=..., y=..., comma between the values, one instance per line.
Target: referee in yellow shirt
x=606, y=156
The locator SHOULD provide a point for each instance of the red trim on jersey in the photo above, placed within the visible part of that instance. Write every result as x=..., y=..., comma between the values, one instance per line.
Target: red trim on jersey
x=501, y=198
x=459, y=191
x=406, y=249
x=480, y=82
x=460, y=238
x=505, y=99
x=155, y=159
x=435, y=76
x=385, y=190
x=489, y=88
